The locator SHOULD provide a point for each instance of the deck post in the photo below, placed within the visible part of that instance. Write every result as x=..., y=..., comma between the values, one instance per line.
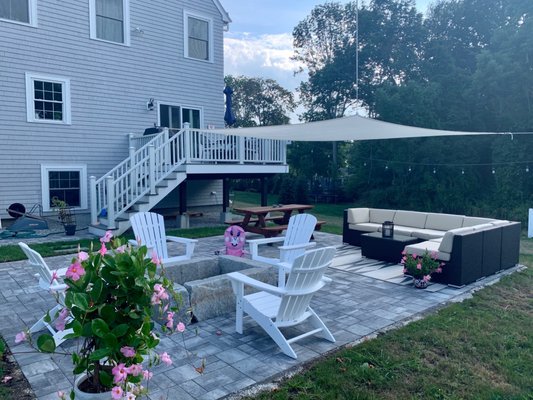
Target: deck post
x=187, y=142
x=151, y=168
x=183, y=218
x=242, y=144
x=94, y=209
x=110, y=185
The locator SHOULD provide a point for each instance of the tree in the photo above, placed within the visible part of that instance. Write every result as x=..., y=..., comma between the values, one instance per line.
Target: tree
x=259, y=102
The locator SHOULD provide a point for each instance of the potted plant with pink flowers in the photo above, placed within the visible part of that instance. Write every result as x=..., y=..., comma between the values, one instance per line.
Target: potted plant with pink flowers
x=421, y=267
x=110, y=297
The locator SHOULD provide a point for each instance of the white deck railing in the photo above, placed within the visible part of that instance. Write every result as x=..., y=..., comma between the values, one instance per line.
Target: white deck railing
x=154, y=157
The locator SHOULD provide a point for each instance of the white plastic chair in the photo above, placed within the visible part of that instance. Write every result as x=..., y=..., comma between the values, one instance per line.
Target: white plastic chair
x=295, y=242
x=274, y=307
x=149, y=229
x=49, y=282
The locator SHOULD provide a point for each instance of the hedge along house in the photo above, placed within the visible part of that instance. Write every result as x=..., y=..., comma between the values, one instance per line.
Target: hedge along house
x=81, y=81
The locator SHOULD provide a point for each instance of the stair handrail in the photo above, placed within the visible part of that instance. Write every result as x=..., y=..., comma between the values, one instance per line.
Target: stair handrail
x=136, y=176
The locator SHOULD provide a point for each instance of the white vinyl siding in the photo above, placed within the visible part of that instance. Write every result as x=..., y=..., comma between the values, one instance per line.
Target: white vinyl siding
x=20, y=11
x=66, y=182
x=47, y=99
x=109, y=20
x=198, y=36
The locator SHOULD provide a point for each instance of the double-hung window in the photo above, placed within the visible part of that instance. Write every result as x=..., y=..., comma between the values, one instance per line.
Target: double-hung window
x=22, y=11
x=47, y=99
x=110, y=20
x=198, y=37
x=66, y=182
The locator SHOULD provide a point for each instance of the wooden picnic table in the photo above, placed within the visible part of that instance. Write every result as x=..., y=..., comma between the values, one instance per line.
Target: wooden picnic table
x=255, y=218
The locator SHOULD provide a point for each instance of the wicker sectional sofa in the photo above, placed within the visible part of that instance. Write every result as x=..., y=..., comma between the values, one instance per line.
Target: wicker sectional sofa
x=470, y=247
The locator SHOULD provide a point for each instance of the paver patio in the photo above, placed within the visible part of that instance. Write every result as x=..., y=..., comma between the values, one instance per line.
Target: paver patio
x=364, y=298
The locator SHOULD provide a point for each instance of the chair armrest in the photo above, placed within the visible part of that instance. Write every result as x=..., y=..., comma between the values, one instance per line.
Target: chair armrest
x=298, y=246
x=237, y=277
x=266, y=240
x=181, y=240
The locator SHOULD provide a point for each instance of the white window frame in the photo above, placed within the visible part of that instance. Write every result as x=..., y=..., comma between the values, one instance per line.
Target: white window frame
x=181, y=107
x=186, y=15
x=32, y=7
x=45, y=183
x=126, y=19
x=30, y=98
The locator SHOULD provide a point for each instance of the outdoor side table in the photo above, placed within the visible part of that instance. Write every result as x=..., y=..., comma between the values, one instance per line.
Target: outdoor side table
x=377, y=247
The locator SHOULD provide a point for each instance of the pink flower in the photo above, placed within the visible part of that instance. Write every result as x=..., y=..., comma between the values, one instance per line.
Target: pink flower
x=155, y=299
x=405, y=270
x=75, y=271
x=147, y=375
x=180, y=327
x=158, y=288
x=414, y=255
x=170, y=320
x=438, y=270
x=6, y=379
x=61, y=395
x=427, y=278
x=83, y=256
x=61, y=319
x=121, y=249
x=155, y=260
x=128, y=351
x=418, y=266
x=120, y=373
x=103, y=250
x=404, y=252
x=55, y=277
x=434, y=255
x=20, y=337
x=130, y=396
x=116, y=392
x=135, y=369
x=165, y=358
x=107, y=237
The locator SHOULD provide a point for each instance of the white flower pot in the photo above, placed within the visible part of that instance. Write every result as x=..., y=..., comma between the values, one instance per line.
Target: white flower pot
x=88, y=396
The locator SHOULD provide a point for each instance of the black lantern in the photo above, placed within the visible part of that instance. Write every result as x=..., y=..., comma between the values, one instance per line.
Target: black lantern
x=387, y=229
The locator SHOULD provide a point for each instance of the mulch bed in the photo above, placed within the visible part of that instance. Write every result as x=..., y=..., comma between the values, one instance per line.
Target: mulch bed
x=17, y=387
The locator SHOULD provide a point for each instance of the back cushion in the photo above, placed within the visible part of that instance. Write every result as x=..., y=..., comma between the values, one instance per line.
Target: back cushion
x=443, y=222
x=499, y=222
x=378, y=215
x=482, y=227
x=471, y=221
x=358, y=215
x=413, y=219
x=447, y=241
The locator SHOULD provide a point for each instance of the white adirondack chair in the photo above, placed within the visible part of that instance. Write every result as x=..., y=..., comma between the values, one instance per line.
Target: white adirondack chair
x=49, y=282
x=149, y=229
x=274, y=307
x=295, y=242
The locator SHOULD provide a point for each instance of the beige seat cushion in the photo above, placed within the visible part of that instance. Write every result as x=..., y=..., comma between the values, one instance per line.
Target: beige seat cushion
x=427, y=234
x=378, y=215
x=443, y=222
x=447, y=241
x=401, y=230
x=365, y=227
x=413, y=219
x=471, y=221
x=358, y=215
x=431, y=247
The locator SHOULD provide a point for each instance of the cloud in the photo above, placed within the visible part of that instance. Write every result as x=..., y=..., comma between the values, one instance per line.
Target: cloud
x=265, y=56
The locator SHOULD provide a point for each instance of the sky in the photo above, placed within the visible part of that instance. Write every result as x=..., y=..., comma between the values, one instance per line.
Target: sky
x=259, y=40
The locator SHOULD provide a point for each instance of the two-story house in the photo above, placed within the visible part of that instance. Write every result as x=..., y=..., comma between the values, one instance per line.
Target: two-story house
x=82, y=80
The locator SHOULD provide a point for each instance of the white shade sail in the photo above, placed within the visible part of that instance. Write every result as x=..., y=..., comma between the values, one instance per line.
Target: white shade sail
x=342, y=129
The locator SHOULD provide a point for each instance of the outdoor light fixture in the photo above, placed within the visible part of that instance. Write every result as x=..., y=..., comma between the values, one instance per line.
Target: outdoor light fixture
x=387, y=229
x=150, y=105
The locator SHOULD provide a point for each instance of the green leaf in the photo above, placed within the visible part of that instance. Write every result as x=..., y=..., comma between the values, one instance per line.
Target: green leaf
x=99, y=354
x=97, y=289
x=81, y=301
x=120, y=330
x=47, y=318
x=99, y=327
x=87, y=330
x=111, y=341
x=46, y=344
x=107, y=312
x=106, y=378
x=76, y=327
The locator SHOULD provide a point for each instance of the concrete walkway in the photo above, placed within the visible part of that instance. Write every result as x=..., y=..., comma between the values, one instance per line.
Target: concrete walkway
x=364, y=298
